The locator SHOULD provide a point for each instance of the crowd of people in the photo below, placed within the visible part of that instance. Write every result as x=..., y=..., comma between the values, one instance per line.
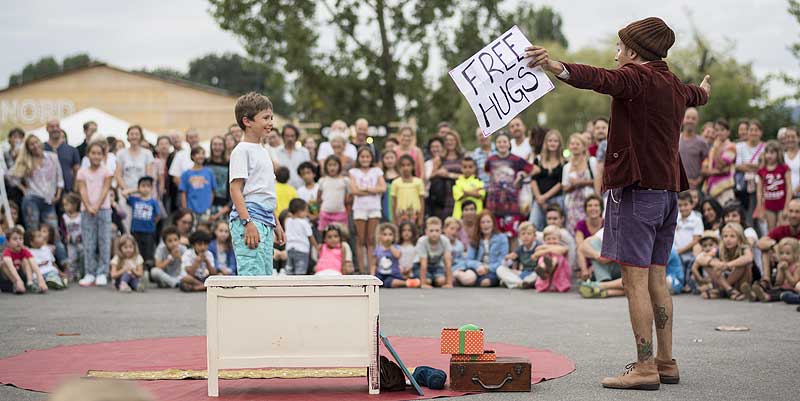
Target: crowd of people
x=524, y=209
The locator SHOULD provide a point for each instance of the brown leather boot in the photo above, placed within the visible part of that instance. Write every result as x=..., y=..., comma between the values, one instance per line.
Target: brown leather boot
x=637, y=376
x=668, y=371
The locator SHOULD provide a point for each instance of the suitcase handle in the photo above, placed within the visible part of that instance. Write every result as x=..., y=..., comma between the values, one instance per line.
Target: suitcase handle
x=477, y=380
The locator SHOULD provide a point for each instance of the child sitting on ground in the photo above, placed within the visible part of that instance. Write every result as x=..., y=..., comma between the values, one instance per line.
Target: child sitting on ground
x=222, y=249
x=127, y=266
x=452, y=227
x=197, y=263
x=709, y=243
x=730, y=270
x=787, y=279
x=335, y=256
x=435, y=263
x=607, y=274
x=44, y=259
x=552, y=267
x=299, y=238
x=408, y=248
x=386, y=264
x=19, y=268
x=486, y=252
x=518, y=269
x=167, y=272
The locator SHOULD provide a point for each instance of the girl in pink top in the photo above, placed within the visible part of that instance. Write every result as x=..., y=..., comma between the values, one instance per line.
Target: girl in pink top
x=772, y=194
x=94, y=183
x=367, y=185
x=552, y=266
x=335, y=257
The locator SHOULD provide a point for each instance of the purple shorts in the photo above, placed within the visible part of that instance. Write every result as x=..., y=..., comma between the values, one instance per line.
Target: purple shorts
x=639, y=226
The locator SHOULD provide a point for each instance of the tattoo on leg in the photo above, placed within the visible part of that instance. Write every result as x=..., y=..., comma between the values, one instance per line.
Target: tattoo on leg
x=661, y=316
x=644, y=350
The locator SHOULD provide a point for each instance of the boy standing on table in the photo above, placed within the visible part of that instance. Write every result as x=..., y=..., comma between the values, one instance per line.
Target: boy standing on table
x=254, y=225
x=643, y=173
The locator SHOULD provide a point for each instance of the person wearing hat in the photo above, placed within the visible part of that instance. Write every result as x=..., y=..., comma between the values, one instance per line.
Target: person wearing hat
x=643, y=173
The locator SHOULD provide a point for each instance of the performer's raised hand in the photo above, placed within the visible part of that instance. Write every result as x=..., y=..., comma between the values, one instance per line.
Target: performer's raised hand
x=541, y=58
x=706, y=84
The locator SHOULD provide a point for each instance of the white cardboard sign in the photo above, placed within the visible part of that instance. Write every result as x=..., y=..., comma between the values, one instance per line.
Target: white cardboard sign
x=498, y=83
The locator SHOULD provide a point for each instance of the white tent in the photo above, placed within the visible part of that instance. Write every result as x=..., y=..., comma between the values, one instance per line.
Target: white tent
x=107, y=125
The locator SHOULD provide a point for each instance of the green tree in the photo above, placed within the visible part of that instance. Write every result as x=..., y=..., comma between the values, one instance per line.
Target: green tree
x=239, y=75
x=48, y=66
x=382, y=49
x=75, y=61
x=793, y=81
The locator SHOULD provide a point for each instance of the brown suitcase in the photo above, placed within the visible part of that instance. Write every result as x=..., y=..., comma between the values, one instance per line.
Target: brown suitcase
x=504, y=374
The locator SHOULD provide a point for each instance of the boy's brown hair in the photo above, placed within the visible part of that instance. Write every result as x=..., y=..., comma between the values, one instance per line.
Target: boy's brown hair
x=249, y=105
x=15, y=230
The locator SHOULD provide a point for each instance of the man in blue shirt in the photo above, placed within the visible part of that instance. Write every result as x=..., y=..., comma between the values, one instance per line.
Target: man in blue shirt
x=68, y=157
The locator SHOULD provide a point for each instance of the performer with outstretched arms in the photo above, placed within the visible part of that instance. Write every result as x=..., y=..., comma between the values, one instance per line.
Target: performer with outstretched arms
x=644, y=174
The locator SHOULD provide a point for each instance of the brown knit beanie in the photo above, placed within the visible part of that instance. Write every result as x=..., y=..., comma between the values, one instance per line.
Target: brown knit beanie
x=650, y=38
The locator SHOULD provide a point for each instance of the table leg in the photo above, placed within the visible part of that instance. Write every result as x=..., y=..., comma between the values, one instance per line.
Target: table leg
x=374, y=371
x=212, y=346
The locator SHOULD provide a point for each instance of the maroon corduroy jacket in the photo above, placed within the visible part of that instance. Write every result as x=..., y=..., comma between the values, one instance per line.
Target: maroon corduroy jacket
x=646, y=115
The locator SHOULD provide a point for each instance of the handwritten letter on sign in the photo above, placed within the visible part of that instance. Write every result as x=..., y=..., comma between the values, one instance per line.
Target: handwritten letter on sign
x=498, y=83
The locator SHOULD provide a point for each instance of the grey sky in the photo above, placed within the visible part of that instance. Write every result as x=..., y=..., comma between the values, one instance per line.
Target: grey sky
x=151, y=33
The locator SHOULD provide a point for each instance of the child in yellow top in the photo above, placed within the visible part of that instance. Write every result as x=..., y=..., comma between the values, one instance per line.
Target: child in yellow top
x=408, y=194
x=468, y=187
x=283, y=190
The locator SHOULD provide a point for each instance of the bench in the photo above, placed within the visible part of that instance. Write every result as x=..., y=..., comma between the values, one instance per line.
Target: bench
x=292, y=322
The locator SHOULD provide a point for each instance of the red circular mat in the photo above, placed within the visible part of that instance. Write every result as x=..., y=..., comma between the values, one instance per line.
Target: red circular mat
x=43, y=370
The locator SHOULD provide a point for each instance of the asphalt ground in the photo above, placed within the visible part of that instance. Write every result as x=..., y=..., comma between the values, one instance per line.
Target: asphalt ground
x=761, y=364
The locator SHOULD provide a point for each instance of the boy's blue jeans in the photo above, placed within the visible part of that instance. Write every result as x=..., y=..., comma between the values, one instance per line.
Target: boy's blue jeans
x=253, y=262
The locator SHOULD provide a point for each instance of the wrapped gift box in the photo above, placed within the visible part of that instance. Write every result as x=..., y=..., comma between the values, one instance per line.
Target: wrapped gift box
x=467, y=339
x=486, y=356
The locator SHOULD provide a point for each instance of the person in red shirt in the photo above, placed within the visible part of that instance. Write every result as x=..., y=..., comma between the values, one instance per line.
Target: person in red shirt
x=776, y=177
x=643, y=174
x=19, y=267
x=792, y=229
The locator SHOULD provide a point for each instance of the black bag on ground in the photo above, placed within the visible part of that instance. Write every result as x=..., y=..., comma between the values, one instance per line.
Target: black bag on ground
x=392, y=378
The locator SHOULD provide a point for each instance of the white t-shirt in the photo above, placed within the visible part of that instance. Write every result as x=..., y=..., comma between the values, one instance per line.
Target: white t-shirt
x=252, y=162
x=366, y=180
x=188, y=259
x=524, y=150
x=308, y=194
x=134, y=168
x=334, y=191
x=73, y=227
x=181, y=162
x=110, y=164
x=326, y=150
x=686, y=230
x=297, y=233
x=44, y=258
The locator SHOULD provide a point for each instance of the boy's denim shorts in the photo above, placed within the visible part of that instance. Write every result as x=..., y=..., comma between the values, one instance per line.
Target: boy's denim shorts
x=640, y=226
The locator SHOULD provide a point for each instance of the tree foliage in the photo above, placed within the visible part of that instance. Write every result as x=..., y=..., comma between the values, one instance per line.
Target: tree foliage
x=382, y=49
x=46, y=66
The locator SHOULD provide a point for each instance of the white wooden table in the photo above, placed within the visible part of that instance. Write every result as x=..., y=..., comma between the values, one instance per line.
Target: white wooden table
x=291, y=322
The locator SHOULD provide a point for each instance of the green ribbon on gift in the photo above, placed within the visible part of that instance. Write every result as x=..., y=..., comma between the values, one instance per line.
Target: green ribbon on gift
x=462, y=335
